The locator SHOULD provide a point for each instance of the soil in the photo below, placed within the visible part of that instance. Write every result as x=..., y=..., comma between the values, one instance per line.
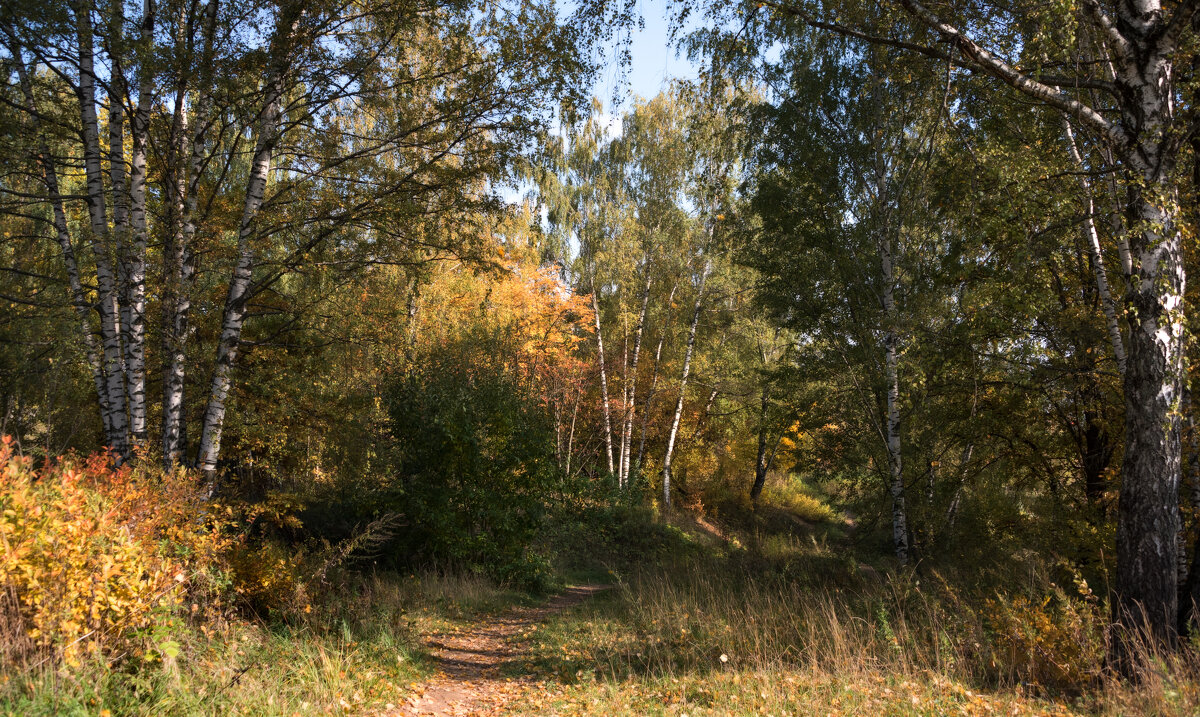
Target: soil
x=470, y=677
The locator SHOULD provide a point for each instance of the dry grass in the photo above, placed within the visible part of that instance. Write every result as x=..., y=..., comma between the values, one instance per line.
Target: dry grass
x=803, y=632
x=354, y=652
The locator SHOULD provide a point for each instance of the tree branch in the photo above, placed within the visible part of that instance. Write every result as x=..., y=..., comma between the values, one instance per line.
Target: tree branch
x=1013, y=77
x=1109, y=28
x=1176, y=26
x=927, y=51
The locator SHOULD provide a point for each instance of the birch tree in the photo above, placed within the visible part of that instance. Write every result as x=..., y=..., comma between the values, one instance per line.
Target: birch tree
x=1126, y=102
x=685, y=372
x=225, y=104
x=652, y=159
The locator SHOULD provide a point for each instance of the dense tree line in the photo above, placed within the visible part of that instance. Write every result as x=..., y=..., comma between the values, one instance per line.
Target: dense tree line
x=929, y=258
x=238, y=150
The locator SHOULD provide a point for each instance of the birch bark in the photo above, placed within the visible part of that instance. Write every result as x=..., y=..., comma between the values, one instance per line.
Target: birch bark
x=135, y=289
x=654, y=377
x=239, y=285
x=1092, y=241
x=631, y=405
x=63, y=236
x=108, y=300
x=117, y=92
x=1148, y=509
x=891, y=366
x=184, y=189
x=683, y=379
x=608, y=447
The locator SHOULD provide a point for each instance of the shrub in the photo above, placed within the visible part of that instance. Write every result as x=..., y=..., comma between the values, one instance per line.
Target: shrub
x=1056, y=641
x=96, y=559
x=476, y=460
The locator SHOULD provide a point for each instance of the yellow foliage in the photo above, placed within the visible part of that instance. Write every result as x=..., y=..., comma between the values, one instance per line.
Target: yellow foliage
x=268, y=579
x=792, y=495
x=1056, y=641
x=94, y=559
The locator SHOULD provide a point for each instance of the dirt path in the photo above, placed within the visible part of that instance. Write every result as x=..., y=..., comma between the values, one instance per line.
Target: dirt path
x=469, y=679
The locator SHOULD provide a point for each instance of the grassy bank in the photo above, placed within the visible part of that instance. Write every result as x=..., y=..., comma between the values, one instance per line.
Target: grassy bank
x=357, y=652
x=739, y=624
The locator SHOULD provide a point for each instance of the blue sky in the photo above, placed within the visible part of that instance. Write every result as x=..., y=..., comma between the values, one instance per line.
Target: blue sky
x=654, y=64
x=654, y=60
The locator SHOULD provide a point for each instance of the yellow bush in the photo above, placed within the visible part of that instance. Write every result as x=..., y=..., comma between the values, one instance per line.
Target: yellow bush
x=268, y=578
x=94, y=559
x=1057, y=641
x=792, y=495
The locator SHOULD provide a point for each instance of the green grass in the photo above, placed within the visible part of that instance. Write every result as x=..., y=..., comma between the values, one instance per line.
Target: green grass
x=358, y=650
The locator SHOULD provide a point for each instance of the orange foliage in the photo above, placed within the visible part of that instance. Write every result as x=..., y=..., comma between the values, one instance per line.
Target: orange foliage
x=95, y=559
x=536, y=315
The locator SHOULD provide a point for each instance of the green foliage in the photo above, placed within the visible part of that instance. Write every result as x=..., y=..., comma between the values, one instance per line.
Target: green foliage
x=475, y=460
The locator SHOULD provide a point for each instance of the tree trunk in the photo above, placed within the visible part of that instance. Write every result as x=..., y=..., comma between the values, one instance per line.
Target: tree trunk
x=571, y=433
x=108, y=301
x=624, y=403
x=239, y=285
x=1148, y=511
x=654, y=378
x=1148, y=514
x=627, y=425
x=121, y=233
x=1092, y=241
x=178, y=255
x=760, y=461
x=177, y=299
x=895, y=464
x=63, y=236
x=608, y=447
x=134, y=315
x=1189, y=594
x=683, y=379
x=1142, y=40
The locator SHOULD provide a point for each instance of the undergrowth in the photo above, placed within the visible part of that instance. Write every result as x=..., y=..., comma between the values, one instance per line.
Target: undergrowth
x=124, y=591
x=791, y=624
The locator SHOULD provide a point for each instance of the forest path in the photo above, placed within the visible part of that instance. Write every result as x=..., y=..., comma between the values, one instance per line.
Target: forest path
x=470, y=662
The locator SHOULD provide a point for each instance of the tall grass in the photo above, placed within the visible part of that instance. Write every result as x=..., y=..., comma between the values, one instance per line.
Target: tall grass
x=744, y=622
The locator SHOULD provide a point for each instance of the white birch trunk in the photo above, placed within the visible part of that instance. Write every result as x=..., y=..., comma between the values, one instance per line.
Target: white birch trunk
x=180, y=265
x=135, y=291
x=239, y=284
x=176, y=302
x=654, y=379
x=631, y=402
x=1092, y=240
x=608, y=447
x=895, y=463
x=63, y=236
x=624, y=405
x=1143, y=40
x=683, y=379
x=1148, y=508
x=571, y=433
x=108, y=304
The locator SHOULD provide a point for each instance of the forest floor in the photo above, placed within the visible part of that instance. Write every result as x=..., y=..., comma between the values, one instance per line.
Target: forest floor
x=474, y=661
